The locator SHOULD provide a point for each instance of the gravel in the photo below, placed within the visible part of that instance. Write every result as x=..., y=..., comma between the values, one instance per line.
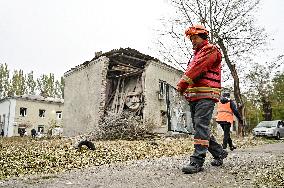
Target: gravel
x=261, y=166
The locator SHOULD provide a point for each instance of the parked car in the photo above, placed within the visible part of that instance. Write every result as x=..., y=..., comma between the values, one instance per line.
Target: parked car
x=270, y=129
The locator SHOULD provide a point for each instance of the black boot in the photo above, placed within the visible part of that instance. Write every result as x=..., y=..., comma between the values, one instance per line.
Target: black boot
x=219, y=160
x=192, y=168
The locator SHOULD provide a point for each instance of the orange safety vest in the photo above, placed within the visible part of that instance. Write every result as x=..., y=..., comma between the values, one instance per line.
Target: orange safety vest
x=225, y=113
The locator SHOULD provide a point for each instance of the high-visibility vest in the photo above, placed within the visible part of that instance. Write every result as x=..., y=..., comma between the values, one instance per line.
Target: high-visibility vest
x=224, y=112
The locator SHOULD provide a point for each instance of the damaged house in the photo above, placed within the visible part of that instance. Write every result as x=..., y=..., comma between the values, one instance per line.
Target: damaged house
x=120, y=80
x=26, y=112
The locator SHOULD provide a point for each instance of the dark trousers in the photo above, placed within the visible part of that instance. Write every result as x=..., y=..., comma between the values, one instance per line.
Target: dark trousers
x=226, y=126
x=201, y=113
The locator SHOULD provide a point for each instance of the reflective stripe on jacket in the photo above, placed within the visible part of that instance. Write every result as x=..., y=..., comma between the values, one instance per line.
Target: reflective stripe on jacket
x=225, y=113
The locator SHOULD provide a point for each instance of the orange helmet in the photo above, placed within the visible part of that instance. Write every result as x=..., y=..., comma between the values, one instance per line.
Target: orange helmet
x=195, y=29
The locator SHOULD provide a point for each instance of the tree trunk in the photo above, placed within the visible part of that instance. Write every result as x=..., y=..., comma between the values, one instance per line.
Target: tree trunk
x=235, y=76
x=267, y=110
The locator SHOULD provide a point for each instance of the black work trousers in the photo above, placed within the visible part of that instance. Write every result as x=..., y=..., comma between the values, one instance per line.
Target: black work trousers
x=201, y=113
x=226, y=126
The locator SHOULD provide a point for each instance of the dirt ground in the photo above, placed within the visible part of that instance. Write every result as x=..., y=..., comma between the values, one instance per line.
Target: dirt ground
x=242, y=168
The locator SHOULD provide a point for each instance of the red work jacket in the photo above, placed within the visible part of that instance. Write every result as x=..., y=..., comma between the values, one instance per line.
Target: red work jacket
x=202, y=78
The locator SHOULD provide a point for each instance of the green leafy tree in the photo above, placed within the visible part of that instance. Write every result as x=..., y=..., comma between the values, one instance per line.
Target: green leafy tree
x=260, y=88
x=62, y=85
x=4, y=80
x=21, y=84
x=46, y=85
x=253, y=113
x=42, y=85
x=260, y=83
x=18, y=83
x=278, y=96
x=31, y=84
x=59, y=88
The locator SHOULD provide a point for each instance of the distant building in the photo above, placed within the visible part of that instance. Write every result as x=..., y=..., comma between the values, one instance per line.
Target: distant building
x=120, y=80
x=27, y=112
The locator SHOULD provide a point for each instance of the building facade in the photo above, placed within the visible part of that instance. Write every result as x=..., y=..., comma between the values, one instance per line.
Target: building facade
x=24, y=113
x=123, y=80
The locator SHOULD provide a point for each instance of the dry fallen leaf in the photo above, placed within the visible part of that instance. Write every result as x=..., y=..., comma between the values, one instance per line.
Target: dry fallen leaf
x=22, y=155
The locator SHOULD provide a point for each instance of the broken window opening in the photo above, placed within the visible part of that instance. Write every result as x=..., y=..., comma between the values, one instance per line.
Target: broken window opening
x=127, y=95
x=124, y=91
x=58, y=114
x=124, y=94
x=21, y=131
x=40, y=128
x=162, y=91
x=41, y=113
x=4, y=119
x=23, y=111
x=164, y=117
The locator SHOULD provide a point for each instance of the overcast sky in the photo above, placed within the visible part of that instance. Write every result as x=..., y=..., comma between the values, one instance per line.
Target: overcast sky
x=52, y=36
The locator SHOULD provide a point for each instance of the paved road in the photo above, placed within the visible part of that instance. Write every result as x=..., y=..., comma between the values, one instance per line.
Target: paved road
x=240, y=169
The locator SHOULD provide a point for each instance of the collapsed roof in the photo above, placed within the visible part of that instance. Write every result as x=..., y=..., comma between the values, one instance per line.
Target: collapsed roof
x=123, y=62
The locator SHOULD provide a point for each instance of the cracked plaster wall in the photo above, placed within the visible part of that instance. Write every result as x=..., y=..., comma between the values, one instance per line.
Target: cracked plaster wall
x=154, y=72
x=84, y=97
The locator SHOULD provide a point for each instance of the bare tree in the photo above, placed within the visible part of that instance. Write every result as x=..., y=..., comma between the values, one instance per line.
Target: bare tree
x=231, y=26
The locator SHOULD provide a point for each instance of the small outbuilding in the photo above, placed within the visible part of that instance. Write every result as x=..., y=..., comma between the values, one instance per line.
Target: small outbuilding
x=124, y=80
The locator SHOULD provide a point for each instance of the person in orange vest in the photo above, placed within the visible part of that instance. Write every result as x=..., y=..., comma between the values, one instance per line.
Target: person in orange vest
x=225, y=117
x=201, y=86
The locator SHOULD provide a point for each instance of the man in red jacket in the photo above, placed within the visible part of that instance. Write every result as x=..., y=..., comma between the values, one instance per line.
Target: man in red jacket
x=201, y=86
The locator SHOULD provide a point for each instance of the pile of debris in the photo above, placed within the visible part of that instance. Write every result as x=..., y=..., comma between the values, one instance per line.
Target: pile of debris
x=125, y=126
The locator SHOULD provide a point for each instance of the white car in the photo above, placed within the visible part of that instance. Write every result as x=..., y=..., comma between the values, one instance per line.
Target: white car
x=270, y=129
